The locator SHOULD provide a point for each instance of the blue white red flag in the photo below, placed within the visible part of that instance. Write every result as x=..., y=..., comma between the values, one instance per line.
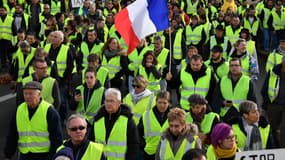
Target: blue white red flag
x=140, y=19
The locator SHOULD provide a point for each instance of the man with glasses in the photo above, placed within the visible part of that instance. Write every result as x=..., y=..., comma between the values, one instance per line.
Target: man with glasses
x=233, y=89
x=114, y=127
x=50, y=90
x=35, y=129
x=82, y=148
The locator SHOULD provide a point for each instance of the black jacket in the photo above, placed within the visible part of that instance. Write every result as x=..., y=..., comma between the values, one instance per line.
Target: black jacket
x=79, y=150
x=110, y=120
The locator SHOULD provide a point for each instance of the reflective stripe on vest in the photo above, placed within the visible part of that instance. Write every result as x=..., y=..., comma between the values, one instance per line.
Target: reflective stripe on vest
x=33, y=133
x=241, y=137
x=152, y=131
x=96, y=49
x=237, y=94
x=153, y=83
x=136, y=58
x=188, y=87
x=206, y=123
x=273, y=59
x=94, y=103
x=162, y=56
x=116, y=146
x=61, y=58
x=55, y=7
x=141, y=106
x=224, y=45
x=23, y=63
x=177, y=49
x=193, y=36
x=251, y=27
x=273, y=86
x=113, y=65
x=232, y=35
x=6, y=28
x=191, y=7
x=166, y=150
x=47, y=87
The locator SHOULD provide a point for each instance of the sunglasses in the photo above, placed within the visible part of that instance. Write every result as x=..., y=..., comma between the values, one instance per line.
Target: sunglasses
x=76, y=128
x=136, y=86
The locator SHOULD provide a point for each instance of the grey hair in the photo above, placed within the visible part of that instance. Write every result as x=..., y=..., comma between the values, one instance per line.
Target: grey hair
x=115, y=92
x=246, y=106
x=74, y=116
x=60, y=33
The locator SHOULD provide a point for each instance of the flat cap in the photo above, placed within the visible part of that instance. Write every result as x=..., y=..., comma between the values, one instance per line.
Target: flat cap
x=33, y=85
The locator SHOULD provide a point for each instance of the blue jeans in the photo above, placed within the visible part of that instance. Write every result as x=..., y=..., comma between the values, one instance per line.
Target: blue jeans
x=266, y=39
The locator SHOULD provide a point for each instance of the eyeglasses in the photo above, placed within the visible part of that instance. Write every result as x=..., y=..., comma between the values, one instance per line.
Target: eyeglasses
x=231, y=137
x=136, y=86
x=76, y=128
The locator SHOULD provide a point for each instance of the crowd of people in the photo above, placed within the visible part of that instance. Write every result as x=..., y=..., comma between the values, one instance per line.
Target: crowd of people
x=187, y=91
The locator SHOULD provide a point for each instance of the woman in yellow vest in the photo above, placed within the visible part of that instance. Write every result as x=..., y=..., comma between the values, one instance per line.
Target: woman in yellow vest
x=152, y=124
x=151, y=71
x=78, y=146
x=88, y=97
x=140, y=99
x=252, y=130
x=178, y=137
x=223, y=144
x=200, y=114
x=115, y=59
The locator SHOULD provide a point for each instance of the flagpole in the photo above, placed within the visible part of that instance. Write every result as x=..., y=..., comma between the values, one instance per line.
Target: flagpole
x=170, y=49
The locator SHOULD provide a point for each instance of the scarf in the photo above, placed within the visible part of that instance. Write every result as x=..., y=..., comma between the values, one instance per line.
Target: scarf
x=225, y=153
x=137, y=97
x=110, y=54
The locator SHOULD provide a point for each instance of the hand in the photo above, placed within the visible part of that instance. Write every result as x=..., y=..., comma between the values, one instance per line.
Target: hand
x=228, y=103
x=78, y=97
x=202, y=136
x=168, y=76
x=148, y=64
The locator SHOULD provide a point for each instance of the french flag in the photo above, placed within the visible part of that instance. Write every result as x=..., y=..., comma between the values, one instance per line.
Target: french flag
x=140, y=19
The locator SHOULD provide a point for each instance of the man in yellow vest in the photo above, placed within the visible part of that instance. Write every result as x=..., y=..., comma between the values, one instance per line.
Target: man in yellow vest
x=152, y=124
x=115, y=128
x=233, y=30
x=274, y=101
x=276, y=22
x=7, y=31
x=275, y=57
x=21, y=19
x=92, y=45
x=21, y=65
x=195, y=78
x=217, y=63
x=252, y=130
x=62, y=57
x=178, y=137
x=35, y=129
x=233, y=89
x=81, y=147
x=50, y=90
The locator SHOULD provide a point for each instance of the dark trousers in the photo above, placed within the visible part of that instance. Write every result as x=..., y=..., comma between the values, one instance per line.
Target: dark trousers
x=276, y=117
x=5, y=52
